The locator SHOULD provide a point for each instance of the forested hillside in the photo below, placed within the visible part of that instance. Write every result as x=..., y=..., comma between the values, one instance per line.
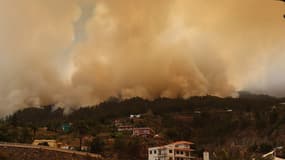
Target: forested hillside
x=232, y=128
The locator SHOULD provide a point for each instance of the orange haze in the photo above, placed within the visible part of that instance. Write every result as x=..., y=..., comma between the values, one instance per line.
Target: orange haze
x=81, y=52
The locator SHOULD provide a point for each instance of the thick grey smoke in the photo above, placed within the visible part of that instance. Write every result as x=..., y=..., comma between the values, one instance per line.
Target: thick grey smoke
x=81, y=52
x=66, y=61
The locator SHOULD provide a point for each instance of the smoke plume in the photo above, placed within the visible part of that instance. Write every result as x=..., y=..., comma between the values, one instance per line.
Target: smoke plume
x=81, y=52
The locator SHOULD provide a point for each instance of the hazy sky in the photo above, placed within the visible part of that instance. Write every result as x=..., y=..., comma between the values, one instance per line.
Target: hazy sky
x=81, y=52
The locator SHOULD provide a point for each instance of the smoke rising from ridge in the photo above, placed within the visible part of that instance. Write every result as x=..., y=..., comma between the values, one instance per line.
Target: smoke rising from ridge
x=127, y=48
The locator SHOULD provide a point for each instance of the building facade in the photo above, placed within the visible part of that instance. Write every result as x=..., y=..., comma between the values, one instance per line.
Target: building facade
x=143, y=132
x=206, y=156
x=180, y=150
x=125, y=128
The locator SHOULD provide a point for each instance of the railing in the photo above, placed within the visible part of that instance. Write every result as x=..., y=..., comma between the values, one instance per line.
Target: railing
x=20, y=145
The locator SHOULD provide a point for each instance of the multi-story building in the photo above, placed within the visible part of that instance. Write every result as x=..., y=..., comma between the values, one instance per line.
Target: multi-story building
x=180, y=150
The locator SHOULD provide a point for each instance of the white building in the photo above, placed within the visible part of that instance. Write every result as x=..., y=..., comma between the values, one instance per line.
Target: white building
x=135, y=116
x=206, y=156
x=180, y=150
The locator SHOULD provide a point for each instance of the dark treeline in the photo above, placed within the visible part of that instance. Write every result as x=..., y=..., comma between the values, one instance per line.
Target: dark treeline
x=115, y=108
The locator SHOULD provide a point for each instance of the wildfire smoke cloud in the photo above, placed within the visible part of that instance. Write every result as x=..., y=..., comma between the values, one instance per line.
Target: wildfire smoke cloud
x=81, y=52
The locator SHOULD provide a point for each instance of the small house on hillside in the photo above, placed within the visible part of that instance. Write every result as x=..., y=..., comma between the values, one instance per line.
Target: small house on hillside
x=124, y=128
x=66, y=127
x=143, y=132
x=118, y=123
x=48, y=143
x=135, y=116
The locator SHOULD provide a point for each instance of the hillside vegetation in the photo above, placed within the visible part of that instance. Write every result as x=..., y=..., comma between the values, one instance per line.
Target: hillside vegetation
x=230, y=128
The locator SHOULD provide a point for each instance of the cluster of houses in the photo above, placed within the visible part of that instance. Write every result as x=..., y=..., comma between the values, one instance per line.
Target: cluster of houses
x=180, y=150
x=136, y=131
x=86, y=141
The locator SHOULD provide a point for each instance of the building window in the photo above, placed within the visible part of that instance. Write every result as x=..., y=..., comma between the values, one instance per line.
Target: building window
x=154, y=151
x=170, y=158
x=181, y=152
x=170, y=151
x=150, y=152
x=177, y=152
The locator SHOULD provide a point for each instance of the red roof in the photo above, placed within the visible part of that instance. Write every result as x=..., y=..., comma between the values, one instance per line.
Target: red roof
x=175, y=143
x=182, y=142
